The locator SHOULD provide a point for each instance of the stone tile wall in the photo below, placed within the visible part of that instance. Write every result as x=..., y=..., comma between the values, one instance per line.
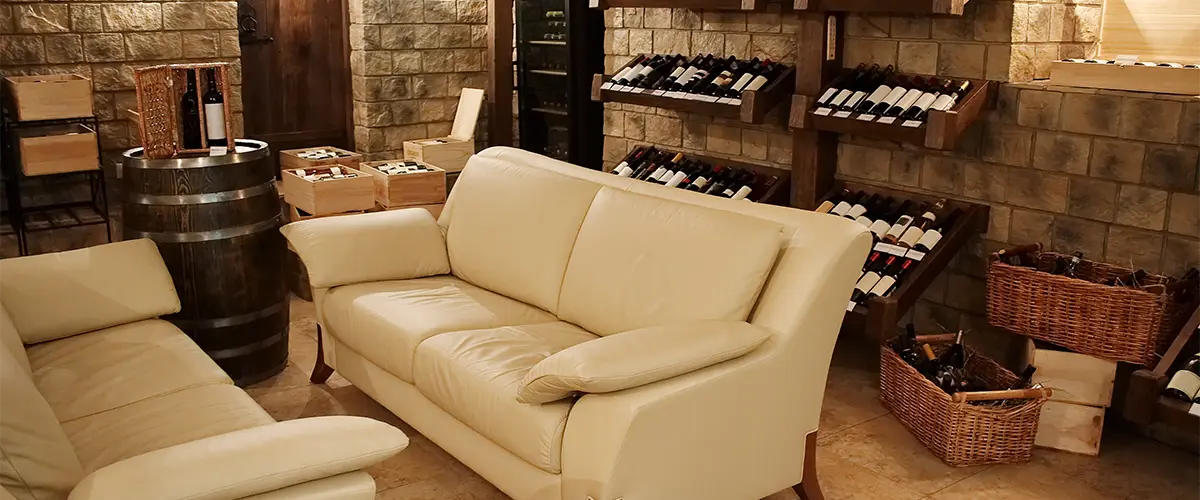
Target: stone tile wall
x=632, y=31
x=409, y=61
x=106, y=41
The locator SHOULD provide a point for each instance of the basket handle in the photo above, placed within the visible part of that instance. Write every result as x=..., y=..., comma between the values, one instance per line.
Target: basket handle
x=962, y=397
x=937, y=338
x=1017, y=250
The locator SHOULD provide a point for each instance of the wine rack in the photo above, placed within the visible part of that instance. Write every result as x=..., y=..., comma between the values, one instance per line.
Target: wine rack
x=1144, y=402
x=878, y=318
x=951, y=7
x=683, y=4
x=754, y=106
x=778, y=194
x=940, y=129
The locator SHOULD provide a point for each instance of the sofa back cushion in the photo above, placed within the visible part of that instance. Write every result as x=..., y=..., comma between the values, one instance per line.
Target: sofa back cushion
x=37, y=462
x=12, y=341
x=510, y=228
x=643, y=261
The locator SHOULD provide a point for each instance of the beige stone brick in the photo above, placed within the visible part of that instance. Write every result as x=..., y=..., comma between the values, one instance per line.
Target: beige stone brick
x=201, y=44
x=1150, y=119
x=779, y=148
x=672, y=42
x=1035, y=189
x=1117, y=160
x=220, y=15
x=737, y=45
x=405, y=37
x=663, y=130
x=1134, y=248
x=953, y=28
x=881, y=52
x=961, y=60
x=721, y=139
x=1087, y=24
x=871, y=26
x=1061, y=153
x=103, y=105
x=1078, y=235
x=864, y=162
x=87, y=17
x=706, y=42
x=1007, y=104
x=437, y=61
x=1062, y=23
x=467, y=60
x=42, y=18
x=969, y=293
x=615, y=148
x=1171, y=167
x=686, y=19
x=110, y=76
x=918, y=57
x=641, y=42
x=479, y=36
x=779, y=48
x=754, y=144
x=1141, y=207
x=1039, y=23
x=429, y=86
x=1179, y=255
x=472, y=11
x=634, y=125
x=1039, y=109
x=1189, y=124
x=406, y=112
x=8, y=20
x=1077, y=50
x=1185, y=214
x=454, y=36
x=437, y=110
x=397, y=135
x=412, y=12
x=1091, y=114
x=183, y=16
x=406, y=62
x=614, y=123
x=943, y=174
x=230, y=47
x=423, y=37
x=916, y=26
x=695, y=134
x=1007, y=145
x=616, y=41
x=104, y=48
x=373, y=62
x=61, y=49
x=1092, y=199
x=765, y=21
x=614, y=18
x=999, y=223
x=153, y=46
x=985, y=181
x=998, y=62
x=1021, y=63
x=656, y=18
x=377, y=114
x=1043, y=55
x=1031, y=227
x=993, y=22
x=1020, y=23
x=633, y=17
x=440, y=11
x=718, y=20
x=905, y=168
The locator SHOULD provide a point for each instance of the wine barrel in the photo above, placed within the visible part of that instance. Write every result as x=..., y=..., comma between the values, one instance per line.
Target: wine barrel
x=216, y=221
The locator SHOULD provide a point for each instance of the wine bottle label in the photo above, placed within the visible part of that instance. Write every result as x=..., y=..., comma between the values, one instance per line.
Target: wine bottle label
x=862, y=219
x=879, y=93
x=931, y=238
x=925, y=100
x=841, y=97
x=1186, y=382
x=728, y=192
x=825, y=207
x=943, y=102
x=868, y=280
x=915, y=255
x=883, y=286
x=894, y=96
x=660, y=171
x=855, y=98
x=908, y=99
x=214, y=118
x=850, y=306
x=615, y=170
x=855, y=211
x=756, y=83
x=687, y=74
x=827, y=95
x=743, y=81
x=880, y=228
x=699, y=75
x=911, y=237
x=645, y=71
x=889, y=249
x=625, y=172
x=676, y=179
x=741, y=193
x=678, y=71
x=841, y=209
x=700, y=182
x=666, y=176
x=630, y=72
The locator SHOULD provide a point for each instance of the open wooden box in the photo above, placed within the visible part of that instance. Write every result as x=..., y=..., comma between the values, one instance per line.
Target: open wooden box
x=329, y=196
x=56, y=149
x=159, y=90
x=1157, y=79
x=405, y=190
x=49, y=97
x=291, y=158
x=450, y=153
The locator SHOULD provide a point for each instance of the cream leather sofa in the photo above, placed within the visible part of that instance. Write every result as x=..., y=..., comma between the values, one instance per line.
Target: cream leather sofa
x=101, y=401
x=561, y=331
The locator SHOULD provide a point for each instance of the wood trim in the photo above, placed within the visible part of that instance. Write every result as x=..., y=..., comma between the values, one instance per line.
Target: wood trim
x=809, y=488
x=951, y=7
x=814, y=153
x=348, y=141
x=775, y=196
x=500, y=72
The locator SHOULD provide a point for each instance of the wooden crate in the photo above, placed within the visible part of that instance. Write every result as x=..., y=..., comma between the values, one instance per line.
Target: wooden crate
x=1076, y=378
x=329, y=196
x=58, y=148
x=290, y=158
x=404, y=190
x=159, y=117
x=1070, y=427
x=450, y=153
x=49, y=97
x=1157, y=79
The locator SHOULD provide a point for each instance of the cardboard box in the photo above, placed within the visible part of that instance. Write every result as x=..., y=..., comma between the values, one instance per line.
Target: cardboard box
x=329, y=196
x=57, y=149
x=1076, y=378
x=403, y=190
x=50, y=97
x=291, y=158
x=450, y=153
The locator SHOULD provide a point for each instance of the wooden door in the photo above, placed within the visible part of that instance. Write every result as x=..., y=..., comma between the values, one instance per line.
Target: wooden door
x=296, y=72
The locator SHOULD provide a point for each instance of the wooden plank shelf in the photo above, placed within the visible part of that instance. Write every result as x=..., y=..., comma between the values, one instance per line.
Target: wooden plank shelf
x=779, y=194
x=952, y=7
x=879, y=317
x=941, y=129
x=683, y=4
x=753, y=108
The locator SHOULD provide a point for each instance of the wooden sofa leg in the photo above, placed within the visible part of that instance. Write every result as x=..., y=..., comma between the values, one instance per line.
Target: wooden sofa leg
x=321, y=371
x=809, y=489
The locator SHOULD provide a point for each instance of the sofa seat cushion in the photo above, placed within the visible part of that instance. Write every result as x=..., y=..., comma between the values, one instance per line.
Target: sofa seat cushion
x=162, y=421
x=475, y=376
x=93, y=372
x=387, y=320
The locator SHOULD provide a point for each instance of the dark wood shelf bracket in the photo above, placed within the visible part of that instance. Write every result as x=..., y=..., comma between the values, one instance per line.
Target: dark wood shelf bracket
x=1144, y=402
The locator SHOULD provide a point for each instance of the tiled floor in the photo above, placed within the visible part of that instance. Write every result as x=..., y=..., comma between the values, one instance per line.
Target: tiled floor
x=863, y=452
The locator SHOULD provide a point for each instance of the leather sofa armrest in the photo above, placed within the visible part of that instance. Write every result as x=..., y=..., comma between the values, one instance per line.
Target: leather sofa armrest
x=638, y=357
x=56, y=295
x=390, y=245
x=247, y=462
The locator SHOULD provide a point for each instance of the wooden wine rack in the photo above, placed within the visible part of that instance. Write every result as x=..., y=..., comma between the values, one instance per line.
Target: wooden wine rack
x=952, y=7
x=777, y=195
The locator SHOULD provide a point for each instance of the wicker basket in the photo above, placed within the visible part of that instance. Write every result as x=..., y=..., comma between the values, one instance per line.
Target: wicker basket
x=1080, y=314
x=960, y=433
x=159, y=89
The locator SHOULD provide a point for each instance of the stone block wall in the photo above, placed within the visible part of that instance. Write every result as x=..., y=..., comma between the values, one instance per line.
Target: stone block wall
x=409, y=61
x=106, y=41
x=633, y=31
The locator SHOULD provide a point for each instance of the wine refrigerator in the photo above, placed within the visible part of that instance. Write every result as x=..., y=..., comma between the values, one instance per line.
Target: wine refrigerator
x=559, y=47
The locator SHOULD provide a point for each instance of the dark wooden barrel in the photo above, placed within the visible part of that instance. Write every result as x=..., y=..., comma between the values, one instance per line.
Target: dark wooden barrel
x=216, y=221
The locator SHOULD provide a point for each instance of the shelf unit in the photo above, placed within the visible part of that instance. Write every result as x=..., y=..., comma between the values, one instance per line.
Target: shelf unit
x=879, y=317
x=777, y=195
x=940, y=130
x=1144, y=402
x=951, y=7
x=683, y=4
x=753, y=108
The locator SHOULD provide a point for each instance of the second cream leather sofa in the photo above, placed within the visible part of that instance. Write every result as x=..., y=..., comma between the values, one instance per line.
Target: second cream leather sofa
x=568, y=334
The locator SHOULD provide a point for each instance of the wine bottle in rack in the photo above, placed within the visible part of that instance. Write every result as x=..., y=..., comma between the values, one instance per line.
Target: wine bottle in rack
x=689, y=73
x=839, y=81
x=828, y=205
x=1185, y=383
x=885, y=88
x=623, y=169
x=700, y=178
x=643, y=76
x=919, y=108
x=742, y=187
x=766, y=188
x=702, y=77
x=622, y=79
x=650, y=166
x=769, y=73
x=624, y=73
x=902, y=104
x=1025, y=378
x=842, y=88
x=934, y=235
x=846, y=204
x=862, y=288
x=855, y=85
x=720, y=183
x=667, y=167
x=701, y=183
x=869, y=87
x=724, y=79
x=915, y=231
x=880, y=226
x=860, y=207
x=901, y=225
x=899, y=87
x=680, y=71
x=876, y=211
x=949, y=99
x=752, y=71
x=689, y=170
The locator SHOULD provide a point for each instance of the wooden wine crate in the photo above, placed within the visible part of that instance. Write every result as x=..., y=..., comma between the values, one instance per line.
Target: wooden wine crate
x=404, y=190
x=1157, y=79
x=159, y=115
x=57, y=149
x=1076, y=378
x=330, y=196
x=450, y=153
x=1070, y=427
x=49, y=97
x=290, y=158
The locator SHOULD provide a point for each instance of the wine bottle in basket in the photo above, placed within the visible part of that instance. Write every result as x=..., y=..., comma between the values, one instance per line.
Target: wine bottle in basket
x=1068, y=266
x=906, y=345
x=1026, y=378
x=1024, y=255
x=948, y=374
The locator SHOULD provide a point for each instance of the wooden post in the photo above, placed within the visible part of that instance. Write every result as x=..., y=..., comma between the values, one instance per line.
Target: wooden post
x=500, y=72
x=814, y=153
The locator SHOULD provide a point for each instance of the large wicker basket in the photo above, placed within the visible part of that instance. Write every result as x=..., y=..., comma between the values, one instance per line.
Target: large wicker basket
x=1080, y=314
x=960, y=433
